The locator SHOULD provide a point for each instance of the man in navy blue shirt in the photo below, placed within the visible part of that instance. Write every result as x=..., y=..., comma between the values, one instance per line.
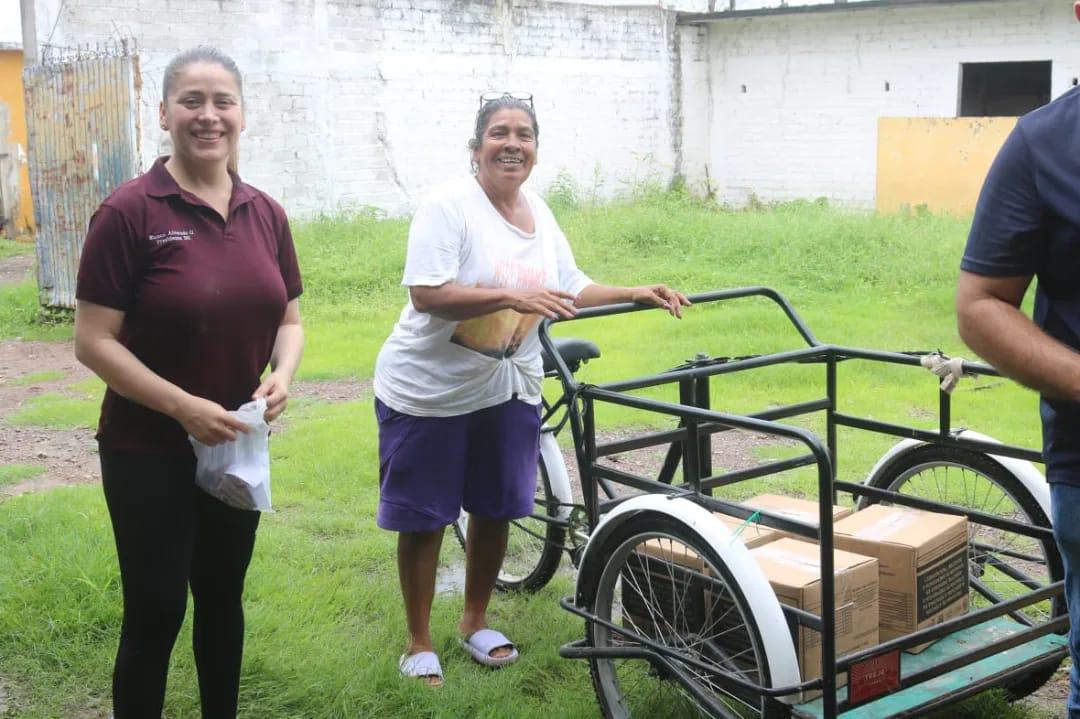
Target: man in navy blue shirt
x=1027, y=224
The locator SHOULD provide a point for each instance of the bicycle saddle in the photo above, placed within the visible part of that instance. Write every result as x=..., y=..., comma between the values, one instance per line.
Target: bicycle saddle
x=573, y=351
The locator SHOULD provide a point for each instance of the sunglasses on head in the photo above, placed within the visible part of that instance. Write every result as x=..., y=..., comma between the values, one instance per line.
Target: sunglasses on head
x=493, y=96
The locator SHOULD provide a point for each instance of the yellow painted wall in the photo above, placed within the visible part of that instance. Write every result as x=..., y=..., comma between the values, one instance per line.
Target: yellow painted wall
x=939, y=162
x=11, y=93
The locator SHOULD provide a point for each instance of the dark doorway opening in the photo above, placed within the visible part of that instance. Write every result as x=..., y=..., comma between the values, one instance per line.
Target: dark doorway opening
x=1003, y=89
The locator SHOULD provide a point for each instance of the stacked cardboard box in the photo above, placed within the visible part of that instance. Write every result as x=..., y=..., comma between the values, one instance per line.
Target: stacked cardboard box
x=672, y=575
x=682, y=599
x=753, y=534
x=897, y=570
x=793, y=568
x=922, y=561
x=800, y=510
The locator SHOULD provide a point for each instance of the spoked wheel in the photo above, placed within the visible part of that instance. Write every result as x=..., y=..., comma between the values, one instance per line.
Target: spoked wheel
x=1001, y=563
x=657, y=581
x=534, y=546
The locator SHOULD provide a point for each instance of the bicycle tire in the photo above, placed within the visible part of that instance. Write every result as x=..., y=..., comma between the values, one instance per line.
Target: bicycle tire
x=530, y=564
x=939, y=462
x=617, y=592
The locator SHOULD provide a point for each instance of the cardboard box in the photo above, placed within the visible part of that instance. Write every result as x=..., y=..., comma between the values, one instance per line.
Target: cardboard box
x=681, y=597
x=800, y=510
x=754, y=534
x=751, y=534
x=673, y=551
x=793, y=568
x=922, y=561
x=684, y=601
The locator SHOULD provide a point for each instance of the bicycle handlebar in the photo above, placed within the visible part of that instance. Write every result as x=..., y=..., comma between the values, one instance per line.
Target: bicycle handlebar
x=567, y=377
x=701, y=298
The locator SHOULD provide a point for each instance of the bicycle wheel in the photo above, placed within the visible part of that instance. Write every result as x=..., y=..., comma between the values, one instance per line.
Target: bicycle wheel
x=658, y=580
x=534, y=545
x=1003, y=562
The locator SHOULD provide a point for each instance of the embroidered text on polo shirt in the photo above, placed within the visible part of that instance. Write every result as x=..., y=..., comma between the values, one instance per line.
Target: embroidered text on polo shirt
x=172, y=236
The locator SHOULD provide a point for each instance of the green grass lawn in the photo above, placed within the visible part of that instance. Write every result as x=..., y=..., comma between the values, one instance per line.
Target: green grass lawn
x=324, y=617
x=13, y=473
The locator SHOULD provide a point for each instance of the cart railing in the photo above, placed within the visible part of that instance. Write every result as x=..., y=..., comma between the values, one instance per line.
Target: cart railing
x=697, y=423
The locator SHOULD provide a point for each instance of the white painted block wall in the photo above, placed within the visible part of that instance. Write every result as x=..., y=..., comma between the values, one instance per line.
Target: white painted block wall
x=695, y=110
x=370, y=102
x=806, y=125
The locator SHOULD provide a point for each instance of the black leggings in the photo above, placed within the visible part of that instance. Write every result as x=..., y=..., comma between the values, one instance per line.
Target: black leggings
x=170, y=534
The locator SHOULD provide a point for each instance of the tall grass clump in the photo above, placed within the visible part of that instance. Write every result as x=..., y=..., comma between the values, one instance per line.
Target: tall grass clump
x=12, y=248
x=21, y=316
x=350, y=262
x=351, y=266
x=806, y=247
x=851, y=264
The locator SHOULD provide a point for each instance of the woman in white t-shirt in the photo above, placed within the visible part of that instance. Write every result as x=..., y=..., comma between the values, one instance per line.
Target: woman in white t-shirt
x=457, y=383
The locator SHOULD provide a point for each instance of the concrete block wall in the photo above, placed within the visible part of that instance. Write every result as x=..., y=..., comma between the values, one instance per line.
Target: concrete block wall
x=370, y=102
x=795, y=98
x=694, y=134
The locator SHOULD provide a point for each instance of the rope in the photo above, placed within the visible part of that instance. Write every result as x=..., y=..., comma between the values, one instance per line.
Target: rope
x=739, y=530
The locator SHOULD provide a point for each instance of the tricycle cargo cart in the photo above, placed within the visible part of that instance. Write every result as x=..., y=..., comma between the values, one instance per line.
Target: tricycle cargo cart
x=680, y=619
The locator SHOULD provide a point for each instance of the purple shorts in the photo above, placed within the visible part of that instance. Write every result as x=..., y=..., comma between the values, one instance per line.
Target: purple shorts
x=432, y=467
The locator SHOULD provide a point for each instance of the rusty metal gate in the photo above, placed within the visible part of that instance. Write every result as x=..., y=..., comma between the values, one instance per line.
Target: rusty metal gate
x=82, y=116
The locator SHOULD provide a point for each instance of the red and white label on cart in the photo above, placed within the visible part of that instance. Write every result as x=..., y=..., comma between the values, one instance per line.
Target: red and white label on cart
x=873, y=677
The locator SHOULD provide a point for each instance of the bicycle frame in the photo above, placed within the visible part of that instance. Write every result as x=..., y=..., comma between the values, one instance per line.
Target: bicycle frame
x=553, y=460
x=698, y=422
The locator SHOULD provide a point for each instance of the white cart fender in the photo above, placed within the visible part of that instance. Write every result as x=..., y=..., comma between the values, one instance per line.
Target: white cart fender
x=761, y=600
x=1030, y=477
x=556, y=471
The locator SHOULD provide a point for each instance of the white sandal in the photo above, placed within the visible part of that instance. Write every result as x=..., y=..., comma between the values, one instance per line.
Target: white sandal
x=422, y=665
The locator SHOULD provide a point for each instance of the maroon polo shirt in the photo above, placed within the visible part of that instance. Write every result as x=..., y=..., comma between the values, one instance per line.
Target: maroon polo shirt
x=202, y=297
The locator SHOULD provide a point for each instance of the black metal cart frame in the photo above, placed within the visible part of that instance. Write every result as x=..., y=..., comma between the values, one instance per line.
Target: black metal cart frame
x=697, y=422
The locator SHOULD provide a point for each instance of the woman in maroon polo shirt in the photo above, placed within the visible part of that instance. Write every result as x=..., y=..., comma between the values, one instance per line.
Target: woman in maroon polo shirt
x=187, y=290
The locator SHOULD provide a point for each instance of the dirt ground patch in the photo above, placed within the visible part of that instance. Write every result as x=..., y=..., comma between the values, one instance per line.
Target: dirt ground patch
x=53, y=362
x=15, y=269
x=337, y=390
x=1052, y=698
x=731, y=450
x=69, y=456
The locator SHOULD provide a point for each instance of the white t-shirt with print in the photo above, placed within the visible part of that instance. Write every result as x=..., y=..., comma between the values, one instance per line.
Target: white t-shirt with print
x=435, y=367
